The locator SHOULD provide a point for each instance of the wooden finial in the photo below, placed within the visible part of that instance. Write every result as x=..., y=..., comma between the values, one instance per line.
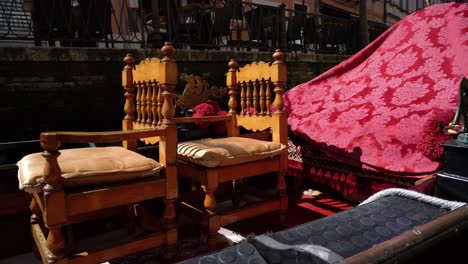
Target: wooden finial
x=279, y=80
x=168, y=51
x=278, y=55
x=233, y=64
x=129, y=60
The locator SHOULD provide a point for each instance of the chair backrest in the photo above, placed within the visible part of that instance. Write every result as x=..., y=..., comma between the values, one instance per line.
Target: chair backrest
x=255, y=83
x=149, y=91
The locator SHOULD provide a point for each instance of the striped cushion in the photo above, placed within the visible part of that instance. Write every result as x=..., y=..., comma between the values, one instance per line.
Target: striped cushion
x=214, y=152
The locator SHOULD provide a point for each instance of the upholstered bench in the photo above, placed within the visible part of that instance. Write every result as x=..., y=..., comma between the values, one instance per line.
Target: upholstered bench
x=394, y=224
x=242, y=253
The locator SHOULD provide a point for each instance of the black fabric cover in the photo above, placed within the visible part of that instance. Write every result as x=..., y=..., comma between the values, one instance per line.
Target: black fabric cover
x=350, y=232
x=242, y=253
x=333, y=238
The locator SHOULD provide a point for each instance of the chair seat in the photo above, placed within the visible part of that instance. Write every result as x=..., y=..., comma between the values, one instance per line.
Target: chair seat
x=216, y=152
x=83, y=167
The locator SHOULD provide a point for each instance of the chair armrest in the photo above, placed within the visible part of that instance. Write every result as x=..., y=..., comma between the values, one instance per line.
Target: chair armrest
x=50, y=142
x=179, y=120
x=100, y=137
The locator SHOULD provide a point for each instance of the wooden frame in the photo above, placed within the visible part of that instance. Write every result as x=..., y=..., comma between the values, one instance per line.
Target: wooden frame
x=55, y=208
x=254, y=81
x=60, y=208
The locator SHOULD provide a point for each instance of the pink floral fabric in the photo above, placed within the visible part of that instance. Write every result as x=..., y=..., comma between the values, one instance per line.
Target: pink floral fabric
x=372, y=109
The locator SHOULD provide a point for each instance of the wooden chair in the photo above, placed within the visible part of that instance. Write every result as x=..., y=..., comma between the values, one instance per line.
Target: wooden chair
x=72, y=186
x=234, y=158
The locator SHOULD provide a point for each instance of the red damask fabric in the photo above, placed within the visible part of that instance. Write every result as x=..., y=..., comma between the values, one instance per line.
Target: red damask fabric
x=379, y=108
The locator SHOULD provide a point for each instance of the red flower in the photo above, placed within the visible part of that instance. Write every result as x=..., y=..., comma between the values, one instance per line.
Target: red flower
x=210, y=108
x=204, y=109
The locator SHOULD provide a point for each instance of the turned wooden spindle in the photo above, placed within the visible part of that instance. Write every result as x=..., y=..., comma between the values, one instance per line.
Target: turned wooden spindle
x=262, y=97
x=242, y=98
x=52, y=173
x=168, y=83
x=232, y=86
x=143, y=89
x=248, y=97
x=160, y=104
x=268, y=97
x=138, y=102
x=255, y=97
x=279, y=81
x=154, y=103
x=129, y=87
x=53, y=190
x=149, y=104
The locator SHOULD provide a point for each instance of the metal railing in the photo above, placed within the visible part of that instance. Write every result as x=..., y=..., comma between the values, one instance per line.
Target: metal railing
x=230, y=24
x=82, y=23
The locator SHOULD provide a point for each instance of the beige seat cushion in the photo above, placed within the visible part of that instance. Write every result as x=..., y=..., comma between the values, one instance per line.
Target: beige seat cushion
x=226, y=151
x=88, y=166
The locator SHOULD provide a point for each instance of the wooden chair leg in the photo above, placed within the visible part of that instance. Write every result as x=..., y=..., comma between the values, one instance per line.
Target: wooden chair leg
x=236, y=190
x=281, y=187
x=170, y=229
x=213, y=228
x=209, y=187
x=131, y=219
x=55, y=243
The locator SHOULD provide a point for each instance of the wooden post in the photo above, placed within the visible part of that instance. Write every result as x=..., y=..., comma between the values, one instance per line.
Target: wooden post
x=168, y=82
x=279, y=80
x=168, y=144
x=280, y=127
x=231, y=82
x=53, y=194
x=129, y=108
x=127, y=83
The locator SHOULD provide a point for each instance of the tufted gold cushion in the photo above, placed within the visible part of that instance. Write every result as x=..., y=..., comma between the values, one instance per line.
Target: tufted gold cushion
x=216, y=152
x=88, y=166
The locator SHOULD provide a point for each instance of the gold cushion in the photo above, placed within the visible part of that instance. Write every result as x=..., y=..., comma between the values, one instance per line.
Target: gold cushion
x=216, y=152
x=88, y=166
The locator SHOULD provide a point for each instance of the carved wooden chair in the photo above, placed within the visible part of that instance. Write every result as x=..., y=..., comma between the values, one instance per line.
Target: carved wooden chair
x=72, y=186
x=232, y=159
